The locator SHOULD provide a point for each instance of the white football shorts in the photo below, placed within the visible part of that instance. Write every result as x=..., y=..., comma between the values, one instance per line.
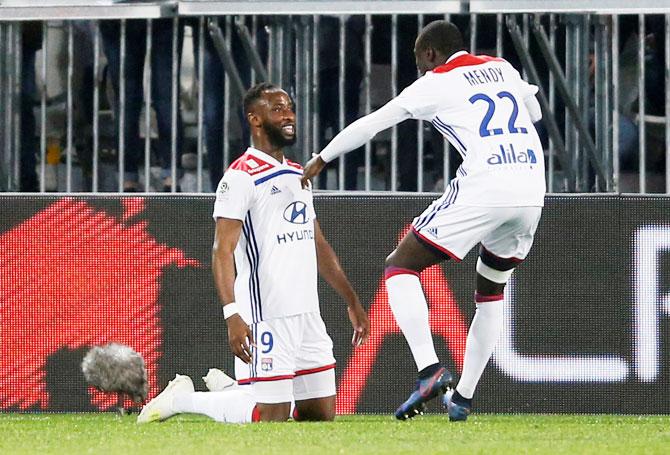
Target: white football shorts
x=293, y=360
x=453, y=230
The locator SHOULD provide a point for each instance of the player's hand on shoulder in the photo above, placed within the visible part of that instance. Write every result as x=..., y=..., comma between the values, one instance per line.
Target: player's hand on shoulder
x=312, y=169
x=360, y=323
x=240, y=338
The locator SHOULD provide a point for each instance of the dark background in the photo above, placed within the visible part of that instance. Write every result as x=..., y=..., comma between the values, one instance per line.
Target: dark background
x=573, y=295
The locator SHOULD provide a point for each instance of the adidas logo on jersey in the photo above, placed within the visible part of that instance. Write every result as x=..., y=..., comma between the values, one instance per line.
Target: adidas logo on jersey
x=274, y=190
x=432, y=231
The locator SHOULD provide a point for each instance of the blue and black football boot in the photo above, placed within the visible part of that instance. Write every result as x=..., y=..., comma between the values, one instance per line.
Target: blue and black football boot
x=426, y=389
x=458, y=410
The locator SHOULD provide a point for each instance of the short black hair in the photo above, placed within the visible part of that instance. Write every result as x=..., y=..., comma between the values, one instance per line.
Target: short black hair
x=443, y=36
x=256, y=92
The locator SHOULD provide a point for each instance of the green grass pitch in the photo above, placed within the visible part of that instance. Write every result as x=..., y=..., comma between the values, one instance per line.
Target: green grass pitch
x=108, y=433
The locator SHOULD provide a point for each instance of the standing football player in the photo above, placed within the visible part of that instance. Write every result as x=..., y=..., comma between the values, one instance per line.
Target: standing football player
x=486, y=111
x=267, y=249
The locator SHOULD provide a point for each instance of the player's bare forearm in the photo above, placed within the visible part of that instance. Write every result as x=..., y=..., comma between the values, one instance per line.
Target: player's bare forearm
x=312, y=169
x=226, y=236
x=331, y=270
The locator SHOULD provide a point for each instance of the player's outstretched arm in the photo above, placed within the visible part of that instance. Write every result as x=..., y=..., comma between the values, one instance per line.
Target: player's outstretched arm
x=226, y=236
x=331, y=270
x=353, y=136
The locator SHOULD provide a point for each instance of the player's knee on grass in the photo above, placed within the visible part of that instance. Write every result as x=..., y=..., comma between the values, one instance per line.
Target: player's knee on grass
x=275, y=412
x=493, y=272
x=315, y=396
x=315, y=410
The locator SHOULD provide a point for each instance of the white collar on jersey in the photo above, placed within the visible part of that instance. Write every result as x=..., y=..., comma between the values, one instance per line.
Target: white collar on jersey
x=455, y=55
x=264, y=156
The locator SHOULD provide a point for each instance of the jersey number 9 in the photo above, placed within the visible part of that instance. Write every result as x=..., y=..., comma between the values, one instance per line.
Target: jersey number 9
x=267, y=342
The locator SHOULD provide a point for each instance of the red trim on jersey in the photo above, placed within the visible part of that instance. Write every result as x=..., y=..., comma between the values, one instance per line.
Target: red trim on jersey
x=436, y=246
x=265, y=379
x=256, y=414
x=393, y=271
x=479, y=298
x=315, y=370
x=242, y=164
x=466, y=60
x=294, y=164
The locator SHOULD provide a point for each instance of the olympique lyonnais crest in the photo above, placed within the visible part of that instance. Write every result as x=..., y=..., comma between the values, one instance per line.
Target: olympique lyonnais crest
x=266, y=364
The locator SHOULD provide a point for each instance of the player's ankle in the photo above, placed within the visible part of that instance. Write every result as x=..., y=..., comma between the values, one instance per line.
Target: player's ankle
x=429, y=371
x=460, y=399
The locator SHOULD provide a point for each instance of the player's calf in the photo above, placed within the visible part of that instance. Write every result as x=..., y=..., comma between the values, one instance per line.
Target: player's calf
x=493, y=272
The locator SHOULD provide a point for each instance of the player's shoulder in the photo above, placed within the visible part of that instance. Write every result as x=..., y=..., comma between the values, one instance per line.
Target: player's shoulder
x=250, y=165
x=239, y=175
x=294, y=165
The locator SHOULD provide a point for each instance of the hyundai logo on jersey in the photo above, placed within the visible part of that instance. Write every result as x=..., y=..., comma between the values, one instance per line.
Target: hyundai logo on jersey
x=512, y=157
x=295, y=236
x=296, y=213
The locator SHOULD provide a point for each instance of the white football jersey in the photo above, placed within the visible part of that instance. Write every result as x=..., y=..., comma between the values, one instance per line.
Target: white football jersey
x=275, y=257
x=477, y=103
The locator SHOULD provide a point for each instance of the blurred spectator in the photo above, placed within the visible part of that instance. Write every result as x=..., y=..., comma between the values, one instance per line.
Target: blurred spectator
x=654, y=64
x=213, y=102
x=629, y=93
x=407, y=165
x=161, y=91
x=31, y=42
x=82, y=87
x=329, y=97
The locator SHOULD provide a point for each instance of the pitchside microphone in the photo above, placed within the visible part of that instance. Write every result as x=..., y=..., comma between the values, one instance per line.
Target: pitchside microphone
x=116, y=368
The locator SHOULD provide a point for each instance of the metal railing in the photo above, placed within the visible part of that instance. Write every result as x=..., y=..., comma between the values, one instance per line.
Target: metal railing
x=597, y=64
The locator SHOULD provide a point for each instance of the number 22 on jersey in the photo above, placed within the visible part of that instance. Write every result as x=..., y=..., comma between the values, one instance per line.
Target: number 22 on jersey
x=484, y=130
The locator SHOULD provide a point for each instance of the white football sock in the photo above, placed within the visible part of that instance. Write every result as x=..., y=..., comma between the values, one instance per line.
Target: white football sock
x=230, y=406
x=411, y=313
x=482, y=338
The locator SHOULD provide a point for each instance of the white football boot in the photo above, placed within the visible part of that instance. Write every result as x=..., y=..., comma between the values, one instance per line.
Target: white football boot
x=162, y=406
x=216, y=380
